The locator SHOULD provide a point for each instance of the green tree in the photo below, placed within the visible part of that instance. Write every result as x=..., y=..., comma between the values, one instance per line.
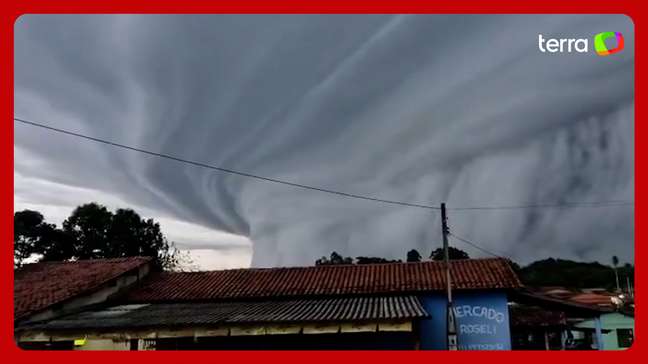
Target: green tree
x=454, y=253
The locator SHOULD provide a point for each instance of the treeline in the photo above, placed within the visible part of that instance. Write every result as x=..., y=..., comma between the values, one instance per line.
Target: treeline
x=91, y=232
x=412, y=256
x=568, y=273
x=546, y=272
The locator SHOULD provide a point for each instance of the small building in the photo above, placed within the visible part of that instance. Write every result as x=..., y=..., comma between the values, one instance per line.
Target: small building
x=575, y=321
x=51, y=289
x=373, y=306
x=618, y=329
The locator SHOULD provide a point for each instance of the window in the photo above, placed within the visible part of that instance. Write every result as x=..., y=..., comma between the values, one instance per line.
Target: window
x=625, y=337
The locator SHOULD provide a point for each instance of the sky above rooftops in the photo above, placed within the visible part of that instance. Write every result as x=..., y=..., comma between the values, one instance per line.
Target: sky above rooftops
x=417, y=108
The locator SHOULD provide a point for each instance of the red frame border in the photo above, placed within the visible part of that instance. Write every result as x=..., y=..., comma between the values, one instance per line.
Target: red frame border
x=12, y=9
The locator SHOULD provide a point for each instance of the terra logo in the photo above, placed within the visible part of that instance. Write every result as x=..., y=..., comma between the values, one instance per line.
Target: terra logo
x=581, y=45
x=602, y=49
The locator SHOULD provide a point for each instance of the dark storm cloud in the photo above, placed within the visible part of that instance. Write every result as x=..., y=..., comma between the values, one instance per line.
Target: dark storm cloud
x=463, y=109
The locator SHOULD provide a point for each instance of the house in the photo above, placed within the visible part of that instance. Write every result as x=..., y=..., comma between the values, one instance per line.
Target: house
x=373, y=306
x=50, y=289
x=551, y=318
x=618, y=329
x=540, y=322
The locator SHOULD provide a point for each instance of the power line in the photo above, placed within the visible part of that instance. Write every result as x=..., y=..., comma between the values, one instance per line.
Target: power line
x=476, y=246
x=556, y=205
x=226, y=170
x=321, y=189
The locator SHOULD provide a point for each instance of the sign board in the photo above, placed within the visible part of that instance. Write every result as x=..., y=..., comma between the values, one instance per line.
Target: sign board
x=482, y=322
x=481, y=316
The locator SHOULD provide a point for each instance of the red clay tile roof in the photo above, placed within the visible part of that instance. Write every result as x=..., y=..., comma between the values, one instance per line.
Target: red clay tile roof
x=527, y=297
x=581, y=297
x=593, y=299
x=40, y=285
x=325, y=280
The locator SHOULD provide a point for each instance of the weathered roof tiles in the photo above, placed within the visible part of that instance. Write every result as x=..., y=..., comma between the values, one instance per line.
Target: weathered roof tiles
x=256, y=283
x=40, y=285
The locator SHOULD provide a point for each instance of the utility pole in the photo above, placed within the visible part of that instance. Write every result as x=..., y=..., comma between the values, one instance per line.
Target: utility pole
x=451, y=323
x=630, y=293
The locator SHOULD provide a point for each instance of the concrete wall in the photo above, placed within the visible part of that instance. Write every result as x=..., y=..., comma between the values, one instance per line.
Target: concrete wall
x=104, y=344
x=239, y=336
x=482, y=321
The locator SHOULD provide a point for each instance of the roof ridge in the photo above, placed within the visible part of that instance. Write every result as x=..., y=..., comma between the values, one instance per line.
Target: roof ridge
x=331, y=266
x=257, y=283
x=91, y=260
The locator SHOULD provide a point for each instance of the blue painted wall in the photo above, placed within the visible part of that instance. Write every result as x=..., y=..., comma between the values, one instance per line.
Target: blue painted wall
x=482, y=321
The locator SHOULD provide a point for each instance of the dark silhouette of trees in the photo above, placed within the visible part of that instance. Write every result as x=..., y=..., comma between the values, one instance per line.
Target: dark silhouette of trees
x=571, y=274
x=88, y=227
x=91, y=232
x=414, y=256
x=547, y=272
x=374, y=260
x=335, y=259
x=453, y=252
x=56, y=244
x=130, y=235
x=28, y=229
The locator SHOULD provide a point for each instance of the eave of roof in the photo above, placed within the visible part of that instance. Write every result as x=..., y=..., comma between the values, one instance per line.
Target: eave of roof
x=312, y=310
x=39, y=286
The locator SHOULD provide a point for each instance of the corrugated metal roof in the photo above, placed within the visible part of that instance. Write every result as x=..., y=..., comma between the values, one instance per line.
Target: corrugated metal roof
x=325, y=280
x=40, y=285
x=339, y=309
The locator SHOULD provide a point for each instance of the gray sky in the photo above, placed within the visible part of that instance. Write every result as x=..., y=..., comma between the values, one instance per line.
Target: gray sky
x=423, y=109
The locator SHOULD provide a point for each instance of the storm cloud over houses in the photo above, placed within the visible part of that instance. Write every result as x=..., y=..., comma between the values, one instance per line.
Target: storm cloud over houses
x=415, y=108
